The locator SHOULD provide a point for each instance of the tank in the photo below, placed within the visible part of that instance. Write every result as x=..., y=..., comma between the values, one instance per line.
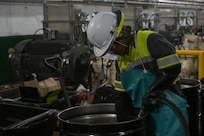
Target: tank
x=98, y=120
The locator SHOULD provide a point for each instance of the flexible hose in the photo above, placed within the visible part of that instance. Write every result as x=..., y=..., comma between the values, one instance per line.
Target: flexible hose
x=178, y=113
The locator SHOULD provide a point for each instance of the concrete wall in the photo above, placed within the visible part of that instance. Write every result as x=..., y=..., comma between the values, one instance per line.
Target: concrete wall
x=20, y=19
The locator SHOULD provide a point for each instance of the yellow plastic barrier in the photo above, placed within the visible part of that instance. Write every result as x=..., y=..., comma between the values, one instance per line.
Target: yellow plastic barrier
x=200, y=55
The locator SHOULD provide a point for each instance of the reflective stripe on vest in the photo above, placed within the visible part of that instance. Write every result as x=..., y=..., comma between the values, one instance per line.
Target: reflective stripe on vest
x=167, y=61
x=138, y=62
x=118, y=86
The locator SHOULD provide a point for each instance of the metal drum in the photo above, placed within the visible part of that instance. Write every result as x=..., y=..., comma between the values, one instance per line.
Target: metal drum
x=202, y=109
x=191, y=89
x=97, y=120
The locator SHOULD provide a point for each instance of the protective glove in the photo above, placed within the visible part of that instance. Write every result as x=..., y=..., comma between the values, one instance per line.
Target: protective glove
x=150, y=101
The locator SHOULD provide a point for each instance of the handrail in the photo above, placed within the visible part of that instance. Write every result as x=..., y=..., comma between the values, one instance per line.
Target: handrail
x=200, y=55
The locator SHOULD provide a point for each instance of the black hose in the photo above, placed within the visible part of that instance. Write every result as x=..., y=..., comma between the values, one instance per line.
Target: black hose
x=64, y=90
x=58, y=69
x=178, y=113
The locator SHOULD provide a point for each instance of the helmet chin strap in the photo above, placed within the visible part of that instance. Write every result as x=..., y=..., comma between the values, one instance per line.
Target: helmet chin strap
x=121, y=44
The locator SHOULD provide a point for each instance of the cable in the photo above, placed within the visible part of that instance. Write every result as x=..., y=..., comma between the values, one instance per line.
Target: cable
x=178, y=113
x=174, y=108
x=39, y=30
x=138, y=52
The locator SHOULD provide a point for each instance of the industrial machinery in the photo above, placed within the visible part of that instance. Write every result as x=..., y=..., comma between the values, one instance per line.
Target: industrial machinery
x=27, y=60
x=38, y=60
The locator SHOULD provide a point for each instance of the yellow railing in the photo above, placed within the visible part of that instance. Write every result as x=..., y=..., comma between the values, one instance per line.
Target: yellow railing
x=200, y=55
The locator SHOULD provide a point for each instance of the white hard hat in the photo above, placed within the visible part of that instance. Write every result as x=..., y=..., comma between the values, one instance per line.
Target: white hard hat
x=102, y=30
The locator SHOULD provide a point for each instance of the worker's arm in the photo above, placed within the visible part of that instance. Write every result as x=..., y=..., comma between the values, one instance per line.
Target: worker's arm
x=167, y=71
x=168, y=63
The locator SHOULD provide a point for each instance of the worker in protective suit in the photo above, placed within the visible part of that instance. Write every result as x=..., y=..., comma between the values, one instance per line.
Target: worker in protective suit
x=149, y=69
